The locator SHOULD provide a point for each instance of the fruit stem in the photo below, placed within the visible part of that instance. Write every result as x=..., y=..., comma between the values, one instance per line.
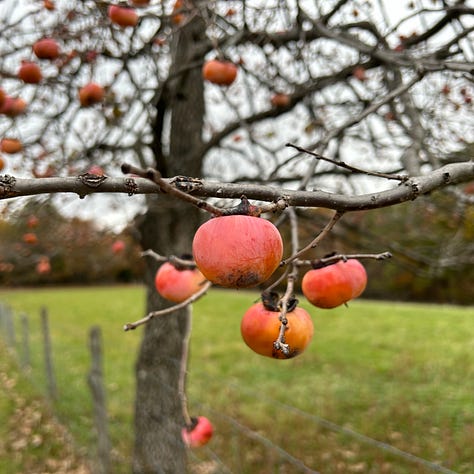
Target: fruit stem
x=183, y=370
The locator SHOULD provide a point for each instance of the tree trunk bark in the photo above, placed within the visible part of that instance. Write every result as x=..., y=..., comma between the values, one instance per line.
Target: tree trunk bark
x=168, y=228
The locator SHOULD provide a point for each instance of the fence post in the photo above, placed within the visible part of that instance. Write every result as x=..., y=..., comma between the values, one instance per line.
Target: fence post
x=48, y=358
x=25, y=332
x=10, y=327
x=95, y=381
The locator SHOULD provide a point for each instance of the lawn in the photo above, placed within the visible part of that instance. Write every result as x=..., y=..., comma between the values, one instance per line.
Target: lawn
x=402, y=374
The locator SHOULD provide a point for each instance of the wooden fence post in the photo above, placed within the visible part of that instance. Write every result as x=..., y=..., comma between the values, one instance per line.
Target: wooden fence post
x=48, y=358
x=25, y=333
x=9, y=327
x=95, y=381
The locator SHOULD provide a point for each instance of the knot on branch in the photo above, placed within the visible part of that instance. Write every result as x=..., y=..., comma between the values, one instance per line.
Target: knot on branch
x=7, y=184
x=186, y=184
x=92, y=180
x=131, y=186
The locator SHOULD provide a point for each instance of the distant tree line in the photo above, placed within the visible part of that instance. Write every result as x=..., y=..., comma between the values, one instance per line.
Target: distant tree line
x=39, y=245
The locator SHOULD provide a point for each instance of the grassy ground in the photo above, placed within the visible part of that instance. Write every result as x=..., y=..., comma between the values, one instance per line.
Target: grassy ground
x=399, y=373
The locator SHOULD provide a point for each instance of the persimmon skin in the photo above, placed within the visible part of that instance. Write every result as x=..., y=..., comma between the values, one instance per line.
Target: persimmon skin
x=30, y=73
x=122, y=16
x=10, y=145
x=46, y=48
x=359, y=276
x=177, y=285
x=12, y=107
x=91, y=94
x=199, y=434
x=222, y=73
x=260, y=328
x=237, y=251
x=280, y=100
x=334, y=285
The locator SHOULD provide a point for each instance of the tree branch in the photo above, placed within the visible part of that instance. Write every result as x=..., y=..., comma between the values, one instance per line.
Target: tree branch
x=450, y=174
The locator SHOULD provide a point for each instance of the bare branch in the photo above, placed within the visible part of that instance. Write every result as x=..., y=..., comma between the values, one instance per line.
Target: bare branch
x=171, y=309
x=449, y=174
x=315, y=242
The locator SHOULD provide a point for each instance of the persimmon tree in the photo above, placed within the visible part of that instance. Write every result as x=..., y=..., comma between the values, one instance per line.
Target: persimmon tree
x=342, y=105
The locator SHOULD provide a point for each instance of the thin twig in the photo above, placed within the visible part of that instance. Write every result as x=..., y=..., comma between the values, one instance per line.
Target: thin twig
x=171, y=309
x=183, y=369
x=337, y=215
x=171, y=258
x=342, y=164
x=337, y=257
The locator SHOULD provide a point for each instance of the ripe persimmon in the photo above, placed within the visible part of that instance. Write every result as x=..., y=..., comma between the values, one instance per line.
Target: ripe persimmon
x=260, y=328
x=237, y=251
x=218, y=72
x=335, y=284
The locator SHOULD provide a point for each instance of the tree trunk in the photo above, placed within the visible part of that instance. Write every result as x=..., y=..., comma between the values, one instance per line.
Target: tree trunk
x=168, y=227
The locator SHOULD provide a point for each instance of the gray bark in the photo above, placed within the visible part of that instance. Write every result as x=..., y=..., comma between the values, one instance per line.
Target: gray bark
x=168, y=227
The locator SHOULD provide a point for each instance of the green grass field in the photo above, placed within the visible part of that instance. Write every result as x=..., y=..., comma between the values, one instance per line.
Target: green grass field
x=399, y=373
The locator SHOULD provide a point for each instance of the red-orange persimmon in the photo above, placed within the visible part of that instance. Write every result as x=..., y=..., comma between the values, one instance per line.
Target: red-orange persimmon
x=30, y=72
x=222, y=73
x=46, y=48
x=122, y=16
x=199, y=433
x=260, y=328
x=176, y=284
x=334, y=285
x=237, y=251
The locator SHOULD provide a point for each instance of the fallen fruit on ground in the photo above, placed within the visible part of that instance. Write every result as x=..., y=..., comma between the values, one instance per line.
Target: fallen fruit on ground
x=237, y=251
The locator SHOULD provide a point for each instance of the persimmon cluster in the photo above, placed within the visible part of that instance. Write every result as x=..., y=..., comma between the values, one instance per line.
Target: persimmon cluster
x=243, y=251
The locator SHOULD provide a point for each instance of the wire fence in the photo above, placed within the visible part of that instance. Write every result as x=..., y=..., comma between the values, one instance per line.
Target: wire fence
x=279, y=456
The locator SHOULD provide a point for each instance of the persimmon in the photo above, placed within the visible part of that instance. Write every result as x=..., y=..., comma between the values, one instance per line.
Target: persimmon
x=10, y=145
x=358, y=276
x=237, y=251
x=176, y=17
x=30, y=72
x=335, y=284
x=118, y=247
x=280, y=100
x=199, y=433
x=32, y=222
x=178, y=284
x=219, y=72
x=96, y=169
x=49, y=5
x=43, y=266
x=2, y=163
x=260, y=327
x=122, y=16
x=30, y=238
x=91, y=94
x=3, y=97
x=359, y=73
x=12, y=106
x=46, y=48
